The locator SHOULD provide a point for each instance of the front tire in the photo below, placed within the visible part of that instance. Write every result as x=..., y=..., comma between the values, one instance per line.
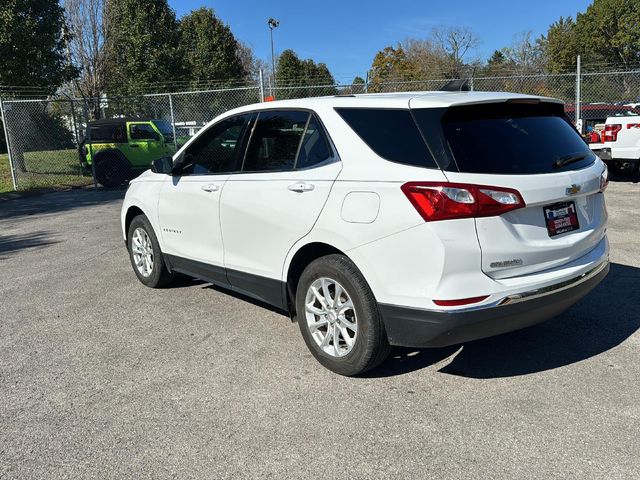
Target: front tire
x=338, y=317
x=145, y=255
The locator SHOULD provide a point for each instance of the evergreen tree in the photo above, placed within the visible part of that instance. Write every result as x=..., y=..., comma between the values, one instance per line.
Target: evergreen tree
x=210, y=52
x=141, y=46
x=310, y=78
x=32, y=45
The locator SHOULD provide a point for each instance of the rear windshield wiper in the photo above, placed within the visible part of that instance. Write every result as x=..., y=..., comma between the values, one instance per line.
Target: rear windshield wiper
x=567, y=159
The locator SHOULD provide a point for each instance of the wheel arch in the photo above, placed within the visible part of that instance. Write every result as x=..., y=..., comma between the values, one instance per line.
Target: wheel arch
x=299, y=261
x=111, y=151
x=132, y=212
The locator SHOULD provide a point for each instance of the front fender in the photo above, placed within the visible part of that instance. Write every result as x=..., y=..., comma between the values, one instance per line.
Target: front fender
x=144, y=194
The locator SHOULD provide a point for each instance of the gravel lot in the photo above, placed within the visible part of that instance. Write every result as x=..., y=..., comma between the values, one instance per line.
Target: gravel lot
x=101, y=377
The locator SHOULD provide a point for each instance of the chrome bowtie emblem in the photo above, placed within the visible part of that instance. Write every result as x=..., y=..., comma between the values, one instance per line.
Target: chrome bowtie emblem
x=573, y=189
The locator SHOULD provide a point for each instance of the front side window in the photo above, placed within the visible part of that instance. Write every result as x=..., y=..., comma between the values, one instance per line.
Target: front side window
x=218, y=149
x=275, y=141
x=165, y=128
x=142, y=131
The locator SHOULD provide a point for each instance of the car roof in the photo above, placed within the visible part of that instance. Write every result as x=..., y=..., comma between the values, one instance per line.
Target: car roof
x=395, y=100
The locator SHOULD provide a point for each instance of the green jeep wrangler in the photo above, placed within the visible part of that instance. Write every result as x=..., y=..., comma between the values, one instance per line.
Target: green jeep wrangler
x=122, y=148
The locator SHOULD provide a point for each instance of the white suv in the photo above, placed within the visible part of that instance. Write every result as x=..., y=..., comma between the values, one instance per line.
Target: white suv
x=413, y=219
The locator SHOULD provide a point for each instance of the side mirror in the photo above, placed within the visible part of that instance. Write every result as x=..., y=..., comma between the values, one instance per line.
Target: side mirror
x=162, y=165
x=182, y=163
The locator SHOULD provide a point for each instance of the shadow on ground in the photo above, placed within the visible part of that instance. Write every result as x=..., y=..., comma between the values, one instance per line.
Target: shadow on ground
x=13, y=243
x=589, y=328
x=624, y=178
x=58, y=201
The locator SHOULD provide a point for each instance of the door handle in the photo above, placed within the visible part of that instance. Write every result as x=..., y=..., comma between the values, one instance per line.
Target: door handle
x=301, y=187
x=210, y=188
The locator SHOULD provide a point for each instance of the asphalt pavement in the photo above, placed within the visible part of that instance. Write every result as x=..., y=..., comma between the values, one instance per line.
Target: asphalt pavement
x=101, y=377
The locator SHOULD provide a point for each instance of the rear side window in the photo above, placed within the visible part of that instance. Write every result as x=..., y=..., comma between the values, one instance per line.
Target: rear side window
x=114, y=133
x=512, y=138
x=391, y=134
x=275, y=141
x=315, y=147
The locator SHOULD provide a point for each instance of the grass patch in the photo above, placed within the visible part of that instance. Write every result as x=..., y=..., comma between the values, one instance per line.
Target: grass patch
x=45, y=169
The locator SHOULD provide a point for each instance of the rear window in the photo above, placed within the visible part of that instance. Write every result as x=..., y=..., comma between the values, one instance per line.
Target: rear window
x=511, y=138
x=391, y=134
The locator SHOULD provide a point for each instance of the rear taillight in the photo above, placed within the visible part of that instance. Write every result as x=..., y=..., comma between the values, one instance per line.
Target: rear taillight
x=445, y=201
x=611, y=132
x=604, y=179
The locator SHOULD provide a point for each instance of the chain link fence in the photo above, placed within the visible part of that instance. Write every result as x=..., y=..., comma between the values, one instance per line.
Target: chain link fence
x=67, y=142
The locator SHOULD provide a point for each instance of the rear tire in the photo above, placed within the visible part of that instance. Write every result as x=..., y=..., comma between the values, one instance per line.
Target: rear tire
x=111, y=169
x=338, y=316
x=145, y=254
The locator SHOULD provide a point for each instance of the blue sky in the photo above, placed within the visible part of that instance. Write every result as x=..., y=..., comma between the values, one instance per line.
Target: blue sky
x=346, y=35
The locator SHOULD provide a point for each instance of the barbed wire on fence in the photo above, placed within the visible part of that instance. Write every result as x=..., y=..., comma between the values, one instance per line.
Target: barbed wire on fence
x=45, y=133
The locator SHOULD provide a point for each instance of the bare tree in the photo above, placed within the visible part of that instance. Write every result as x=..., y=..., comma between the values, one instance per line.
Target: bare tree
x=455, y=43
x=251, y=64
x=425, y=58
x=86, y=23
x=525, y=54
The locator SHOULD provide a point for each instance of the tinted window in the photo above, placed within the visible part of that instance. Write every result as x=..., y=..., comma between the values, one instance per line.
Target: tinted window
x=217, y=150
x=512, y=138
x=275, y=140
x=142, y=131
x=165, y=128
x=315, y=147
x=107, y=133
x=392, y=134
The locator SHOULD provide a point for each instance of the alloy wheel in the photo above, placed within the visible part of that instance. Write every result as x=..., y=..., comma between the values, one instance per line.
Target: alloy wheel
x=331, y=317
x=142, y=250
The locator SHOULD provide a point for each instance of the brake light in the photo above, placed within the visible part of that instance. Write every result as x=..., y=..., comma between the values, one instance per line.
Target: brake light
x=611, y=132
x=604, y=179
x=445, y=201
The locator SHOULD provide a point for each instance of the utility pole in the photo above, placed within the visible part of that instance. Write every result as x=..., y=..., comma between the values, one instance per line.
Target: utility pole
x=578, y=94
x=273, y=24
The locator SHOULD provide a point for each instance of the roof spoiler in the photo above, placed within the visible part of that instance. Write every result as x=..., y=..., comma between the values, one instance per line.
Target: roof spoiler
x=456, y=86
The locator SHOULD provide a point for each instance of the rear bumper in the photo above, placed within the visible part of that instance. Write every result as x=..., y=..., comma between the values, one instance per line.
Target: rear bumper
x=618, y=153
x=603, y=153
x=412, y=327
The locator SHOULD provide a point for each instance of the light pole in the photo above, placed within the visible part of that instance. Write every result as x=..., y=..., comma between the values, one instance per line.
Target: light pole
x=273, y=23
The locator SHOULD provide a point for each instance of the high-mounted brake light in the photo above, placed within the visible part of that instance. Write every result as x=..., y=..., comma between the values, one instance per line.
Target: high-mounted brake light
x=444, y=201
x=611, y=132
